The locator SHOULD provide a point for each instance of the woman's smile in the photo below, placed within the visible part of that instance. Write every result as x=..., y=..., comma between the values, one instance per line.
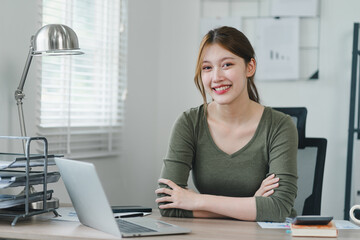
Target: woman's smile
x=222, y=89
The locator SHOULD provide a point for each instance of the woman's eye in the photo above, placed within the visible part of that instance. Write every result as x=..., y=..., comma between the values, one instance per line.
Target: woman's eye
x=206, y=68
x=227, y=65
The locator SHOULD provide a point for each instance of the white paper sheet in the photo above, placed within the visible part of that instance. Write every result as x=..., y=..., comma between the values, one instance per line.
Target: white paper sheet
x=66, y=214
x=340, y=224
x=299, y=8
x=277, y=48
x=343, y=224
x=274, y=225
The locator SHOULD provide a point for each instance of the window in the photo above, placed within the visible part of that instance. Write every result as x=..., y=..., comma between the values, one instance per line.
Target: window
x=82, y=97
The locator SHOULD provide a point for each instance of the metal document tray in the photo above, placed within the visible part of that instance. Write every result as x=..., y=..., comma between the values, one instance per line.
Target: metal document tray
x=9, y=178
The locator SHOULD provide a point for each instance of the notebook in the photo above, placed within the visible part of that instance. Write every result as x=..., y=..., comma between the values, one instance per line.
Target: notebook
x=328, y=230
x=92, y=207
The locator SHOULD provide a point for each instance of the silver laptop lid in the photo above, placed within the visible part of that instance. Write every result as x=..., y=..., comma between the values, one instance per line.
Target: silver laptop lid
x=87, y=195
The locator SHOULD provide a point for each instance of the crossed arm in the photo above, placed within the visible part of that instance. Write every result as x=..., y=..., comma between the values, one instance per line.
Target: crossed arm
x=280, y=152
x=211, y=206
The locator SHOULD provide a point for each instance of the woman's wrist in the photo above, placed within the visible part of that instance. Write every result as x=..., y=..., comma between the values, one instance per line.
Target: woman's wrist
x=199, y=202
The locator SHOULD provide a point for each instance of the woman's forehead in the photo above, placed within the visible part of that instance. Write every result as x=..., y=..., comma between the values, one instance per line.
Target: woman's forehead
x=216, y=51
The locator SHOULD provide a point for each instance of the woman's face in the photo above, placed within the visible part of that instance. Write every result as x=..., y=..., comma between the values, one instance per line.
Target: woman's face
x=224, y=75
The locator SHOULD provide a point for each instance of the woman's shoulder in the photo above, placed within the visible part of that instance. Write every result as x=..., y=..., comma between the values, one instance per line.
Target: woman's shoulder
x=276, y=115
x=194, y=111
x=191, y=117
x=190, y=121
x=278, y=120
x=193, y=114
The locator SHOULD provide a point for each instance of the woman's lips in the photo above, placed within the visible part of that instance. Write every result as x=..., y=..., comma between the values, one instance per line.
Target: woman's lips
x=221, y=89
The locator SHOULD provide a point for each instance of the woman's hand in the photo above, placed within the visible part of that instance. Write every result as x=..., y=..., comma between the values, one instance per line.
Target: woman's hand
x=178, y=197
x=267, y=186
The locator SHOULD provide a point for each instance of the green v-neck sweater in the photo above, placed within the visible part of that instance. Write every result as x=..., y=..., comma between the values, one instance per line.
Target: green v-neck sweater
x=272, y=149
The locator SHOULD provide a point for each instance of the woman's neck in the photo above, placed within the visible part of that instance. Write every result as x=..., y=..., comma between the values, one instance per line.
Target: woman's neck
x=235, y=113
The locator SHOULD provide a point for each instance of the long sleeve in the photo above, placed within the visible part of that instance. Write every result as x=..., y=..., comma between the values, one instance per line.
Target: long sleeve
x=178, y=161
x=282, y=150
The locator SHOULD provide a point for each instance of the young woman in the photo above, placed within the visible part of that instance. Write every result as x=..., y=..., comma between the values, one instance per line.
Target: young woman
x=242, y=154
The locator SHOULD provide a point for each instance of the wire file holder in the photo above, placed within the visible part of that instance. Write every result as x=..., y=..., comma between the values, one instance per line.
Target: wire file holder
x=18, y=206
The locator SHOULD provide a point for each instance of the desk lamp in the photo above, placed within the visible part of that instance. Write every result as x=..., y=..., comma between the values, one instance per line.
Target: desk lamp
x=50, y=40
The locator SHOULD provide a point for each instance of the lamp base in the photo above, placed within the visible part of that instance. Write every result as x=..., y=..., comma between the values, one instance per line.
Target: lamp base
x=51, y=203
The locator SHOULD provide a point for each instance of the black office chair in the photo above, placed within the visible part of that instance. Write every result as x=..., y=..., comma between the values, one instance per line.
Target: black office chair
x=311, y=163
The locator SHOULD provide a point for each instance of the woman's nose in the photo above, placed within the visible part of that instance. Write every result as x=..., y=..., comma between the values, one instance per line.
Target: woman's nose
x=218, y=75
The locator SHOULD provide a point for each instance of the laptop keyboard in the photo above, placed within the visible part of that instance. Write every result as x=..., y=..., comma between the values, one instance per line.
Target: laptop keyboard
x=128, y=227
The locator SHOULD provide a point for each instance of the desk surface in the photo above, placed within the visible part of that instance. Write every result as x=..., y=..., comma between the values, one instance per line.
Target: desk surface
x=42, y=227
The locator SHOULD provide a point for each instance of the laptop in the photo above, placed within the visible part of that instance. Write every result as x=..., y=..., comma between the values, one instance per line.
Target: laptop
x=92, y=207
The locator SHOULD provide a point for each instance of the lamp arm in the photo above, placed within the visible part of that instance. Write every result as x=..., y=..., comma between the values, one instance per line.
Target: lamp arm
x=19, y=95
x=24, y=74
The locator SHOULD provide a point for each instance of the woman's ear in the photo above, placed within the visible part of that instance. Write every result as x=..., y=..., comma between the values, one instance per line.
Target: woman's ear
x=251, y=68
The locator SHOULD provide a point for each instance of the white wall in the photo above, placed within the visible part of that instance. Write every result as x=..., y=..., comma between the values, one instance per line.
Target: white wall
x=163, y=41
x=138, y=163
x=178, y=52
x=14, y=47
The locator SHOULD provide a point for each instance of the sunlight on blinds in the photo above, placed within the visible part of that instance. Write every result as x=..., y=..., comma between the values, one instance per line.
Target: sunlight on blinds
x=82, y=97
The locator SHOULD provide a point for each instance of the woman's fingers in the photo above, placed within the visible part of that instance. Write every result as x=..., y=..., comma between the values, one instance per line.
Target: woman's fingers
x=267, y=186
x=270, y=179
x=163, y=199
x=166, y=191
x=270, y=187
x=271, y=176
x=274, y=180
x=163, y=190
x=168, y=182
x=167, y=206
x=268, y=193
x=176, y=196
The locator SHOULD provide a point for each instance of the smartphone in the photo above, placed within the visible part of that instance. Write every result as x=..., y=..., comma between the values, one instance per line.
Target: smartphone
x=130, y=208
x=312, y=220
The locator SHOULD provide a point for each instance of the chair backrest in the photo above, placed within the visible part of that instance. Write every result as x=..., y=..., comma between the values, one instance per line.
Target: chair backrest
x=310, y=162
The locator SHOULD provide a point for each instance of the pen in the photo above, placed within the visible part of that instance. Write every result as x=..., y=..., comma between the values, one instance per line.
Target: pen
x=131, y=215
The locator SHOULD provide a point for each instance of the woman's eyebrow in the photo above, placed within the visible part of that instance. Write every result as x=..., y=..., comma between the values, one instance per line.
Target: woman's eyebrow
x=220, y=60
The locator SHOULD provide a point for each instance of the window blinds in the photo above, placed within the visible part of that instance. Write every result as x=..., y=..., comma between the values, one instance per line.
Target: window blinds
x=82, y=97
